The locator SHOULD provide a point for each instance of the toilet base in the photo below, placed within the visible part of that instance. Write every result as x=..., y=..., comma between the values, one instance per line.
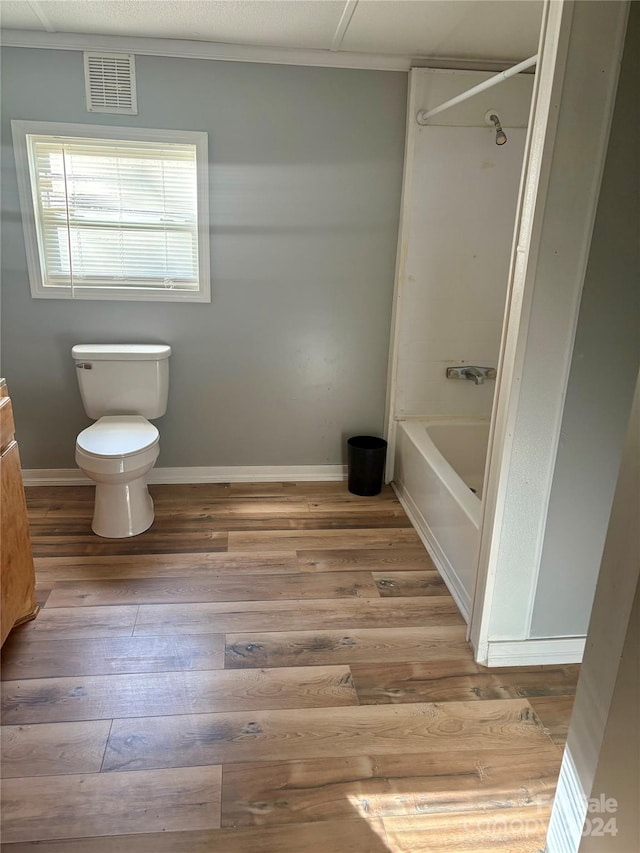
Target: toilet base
x=122, y=510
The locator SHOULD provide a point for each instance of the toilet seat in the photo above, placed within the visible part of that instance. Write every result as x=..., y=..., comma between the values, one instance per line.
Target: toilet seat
x=117, y=437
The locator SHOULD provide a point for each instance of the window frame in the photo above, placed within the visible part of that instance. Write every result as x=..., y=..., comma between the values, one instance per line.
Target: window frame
x=26, y=191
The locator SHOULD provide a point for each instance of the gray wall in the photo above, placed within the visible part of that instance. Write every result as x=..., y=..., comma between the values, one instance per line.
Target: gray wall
x=291, y=354
x=603, y=373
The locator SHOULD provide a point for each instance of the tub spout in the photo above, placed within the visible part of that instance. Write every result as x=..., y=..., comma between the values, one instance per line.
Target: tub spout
x=476, y=374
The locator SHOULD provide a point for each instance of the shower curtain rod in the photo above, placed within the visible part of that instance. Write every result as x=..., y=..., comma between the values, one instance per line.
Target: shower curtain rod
x=424, y=115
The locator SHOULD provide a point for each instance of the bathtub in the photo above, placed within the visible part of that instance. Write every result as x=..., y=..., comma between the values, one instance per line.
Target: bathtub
x=438, y=474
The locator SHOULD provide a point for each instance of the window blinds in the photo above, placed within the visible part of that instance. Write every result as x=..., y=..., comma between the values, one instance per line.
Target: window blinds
x=115, y=213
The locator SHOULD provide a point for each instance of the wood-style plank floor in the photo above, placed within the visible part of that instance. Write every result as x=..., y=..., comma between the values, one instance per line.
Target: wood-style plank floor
x=273, y=668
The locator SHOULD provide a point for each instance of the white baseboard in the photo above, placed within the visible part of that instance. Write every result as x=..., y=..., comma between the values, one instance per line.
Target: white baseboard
x=458, y=593
x=569, y=810
x=558, y=650
x=222, y=474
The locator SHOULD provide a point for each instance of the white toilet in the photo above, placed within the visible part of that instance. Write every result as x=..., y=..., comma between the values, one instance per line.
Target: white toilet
x=121, y=385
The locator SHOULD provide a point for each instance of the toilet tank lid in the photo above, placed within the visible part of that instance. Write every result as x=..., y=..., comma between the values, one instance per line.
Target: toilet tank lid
x=121, y=352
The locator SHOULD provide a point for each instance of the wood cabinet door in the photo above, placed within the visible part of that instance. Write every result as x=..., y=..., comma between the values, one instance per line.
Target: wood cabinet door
x=16, y=558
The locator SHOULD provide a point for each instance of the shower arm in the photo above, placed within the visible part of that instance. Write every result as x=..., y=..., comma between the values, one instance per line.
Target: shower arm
x=424, y=115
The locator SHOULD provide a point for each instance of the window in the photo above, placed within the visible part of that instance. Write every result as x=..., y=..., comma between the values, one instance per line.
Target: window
x=114, y=213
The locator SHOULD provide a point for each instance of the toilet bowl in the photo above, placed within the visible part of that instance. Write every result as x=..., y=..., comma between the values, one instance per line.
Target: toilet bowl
x=117, y=452
x=123, y=387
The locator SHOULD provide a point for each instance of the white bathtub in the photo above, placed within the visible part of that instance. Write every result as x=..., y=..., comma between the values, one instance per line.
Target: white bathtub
x=438, y=465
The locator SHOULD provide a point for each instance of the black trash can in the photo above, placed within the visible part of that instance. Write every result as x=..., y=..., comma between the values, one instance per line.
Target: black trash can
x=366, y=456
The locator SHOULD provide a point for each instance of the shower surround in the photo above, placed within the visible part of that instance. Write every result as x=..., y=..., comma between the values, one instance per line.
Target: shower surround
x=459, y=202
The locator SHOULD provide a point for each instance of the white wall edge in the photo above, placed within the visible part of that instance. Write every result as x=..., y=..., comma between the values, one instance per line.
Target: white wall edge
x=390, y=425
x=186, y=49
x=533, y=188
x=436, y=553
x=610, y=68
x=223, y=474
x=560, y=650
x=565, y=36
x=571, y=804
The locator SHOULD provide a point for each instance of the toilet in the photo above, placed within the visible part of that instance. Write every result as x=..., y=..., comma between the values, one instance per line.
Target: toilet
x=122, y=387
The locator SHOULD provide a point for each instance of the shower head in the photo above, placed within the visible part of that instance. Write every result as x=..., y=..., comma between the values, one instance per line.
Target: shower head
x=491, y=118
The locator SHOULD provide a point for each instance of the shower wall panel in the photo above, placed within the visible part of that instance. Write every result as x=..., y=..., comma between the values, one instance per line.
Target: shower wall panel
x=457, y=233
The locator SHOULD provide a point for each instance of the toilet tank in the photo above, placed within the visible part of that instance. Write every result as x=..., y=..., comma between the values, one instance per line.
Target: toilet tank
x=123, y=379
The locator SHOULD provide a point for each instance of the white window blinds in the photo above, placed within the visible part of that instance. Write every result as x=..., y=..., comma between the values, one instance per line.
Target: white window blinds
x=115, y=213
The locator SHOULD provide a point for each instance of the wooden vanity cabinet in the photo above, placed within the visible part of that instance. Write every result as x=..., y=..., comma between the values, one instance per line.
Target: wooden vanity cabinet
x=17, y=599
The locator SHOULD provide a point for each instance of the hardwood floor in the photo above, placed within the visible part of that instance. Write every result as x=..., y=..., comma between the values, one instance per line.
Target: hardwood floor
x=271, y=668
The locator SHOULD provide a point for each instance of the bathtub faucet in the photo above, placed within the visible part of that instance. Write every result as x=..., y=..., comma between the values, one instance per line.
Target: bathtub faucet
x=476, y=374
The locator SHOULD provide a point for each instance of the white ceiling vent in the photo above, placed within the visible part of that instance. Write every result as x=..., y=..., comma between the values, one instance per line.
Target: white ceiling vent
x=110, y=83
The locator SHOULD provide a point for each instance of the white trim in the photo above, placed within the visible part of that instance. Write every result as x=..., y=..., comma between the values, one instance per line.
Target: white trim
x=250, y=474
x=221, y=474
x=343, y=23
x=390, y=426
x=185, y=49
x=444, y=567
x=21, y=129
x=611, y=30
x=40, y=14
x=547, y=87
x=559, y=650
x=569, y=810
x=543, y=206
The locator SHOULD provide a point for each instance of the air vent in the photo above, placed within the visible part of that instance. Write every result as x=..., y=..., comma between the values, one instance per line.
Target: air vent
x=110, y=83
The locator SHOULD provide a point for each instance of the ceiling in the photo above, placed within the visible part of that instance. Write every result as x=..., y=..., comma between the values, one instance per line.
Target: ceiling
x=500, y=30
